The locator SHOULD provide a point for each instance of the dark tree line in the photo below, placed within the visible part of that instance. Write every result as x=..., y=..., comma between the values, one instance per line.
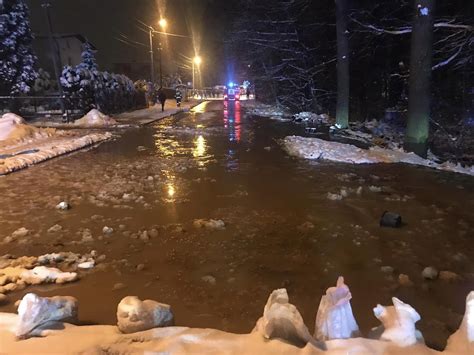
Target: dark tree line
x=356, y=59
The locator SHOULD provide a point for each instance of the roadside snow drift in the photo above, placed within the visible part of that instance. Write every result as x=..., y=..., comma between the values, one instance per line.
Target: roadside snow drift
x=280, y=330
x=95, y=118
x=13, y=129
x=22, y=145
x=318, y=149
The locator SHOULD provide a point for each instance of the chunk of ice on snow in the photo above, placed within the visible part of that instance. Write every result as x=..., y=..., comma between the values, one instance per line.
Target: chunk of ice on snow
x=334, y=319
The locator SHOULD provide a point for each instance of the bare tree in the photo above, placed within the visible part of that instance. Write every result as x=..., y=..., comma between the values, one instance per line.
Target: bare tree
x=272, y=42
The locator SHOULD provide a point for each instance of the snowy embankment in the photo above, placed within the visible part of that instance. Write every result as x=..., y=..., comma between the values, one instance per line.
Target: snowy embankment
x=22, y=145
x=318, y=149
x=262, y=110
x=146, y=326
x=95, y=118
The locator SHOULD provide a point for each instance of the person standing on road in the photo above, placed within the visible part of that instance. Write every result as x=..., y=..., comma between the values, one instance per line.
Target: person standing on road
x=162, y=98
x=178, y=96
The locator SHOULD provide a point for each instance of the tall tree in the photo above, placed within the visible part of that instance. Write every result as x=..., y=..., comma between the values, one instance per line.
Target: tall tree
x=420, y=76
x=17, y=60
x=88, y=58
x=342, y=106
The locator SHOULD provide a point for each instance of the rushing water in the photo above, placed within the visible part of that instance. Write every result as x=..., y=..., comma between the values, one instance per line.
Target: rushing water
x=281, y=229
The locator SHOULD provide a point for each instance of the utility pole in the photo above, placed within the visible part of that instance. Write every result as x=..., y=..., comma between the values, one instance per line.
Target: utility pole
x=193, y=77
x=56, y=60
x=152, y=64
x=161, y=65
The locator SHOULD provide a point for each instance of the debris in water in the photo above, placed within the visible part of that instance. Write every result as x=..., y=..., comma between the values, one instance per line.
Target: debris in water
x=209, y=224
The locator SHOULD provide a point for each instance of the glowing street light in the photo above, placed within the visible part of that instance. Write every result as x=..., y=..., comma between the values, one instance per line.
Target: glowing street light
x=197, y=60
x=163, y=23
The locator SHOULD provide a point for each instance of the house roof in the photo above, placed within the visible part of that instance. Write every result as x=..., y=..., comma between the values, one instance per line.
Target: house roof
x=79, y=36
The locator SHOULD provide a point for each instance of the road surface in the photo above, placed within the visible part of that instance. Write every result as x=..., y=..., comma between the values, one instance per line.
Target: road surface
x=281, y=230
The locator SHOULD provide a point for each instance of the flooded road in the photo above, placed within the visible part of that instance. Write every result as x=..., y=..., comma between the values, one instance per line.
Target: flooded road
x=281, y=228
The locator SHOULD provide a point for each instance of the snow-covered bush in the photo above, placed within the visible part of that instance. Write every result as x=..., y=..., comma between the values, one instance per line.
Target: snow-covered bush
x=88, y=58
x=43, y=82
x=17, y=60
x=77, y=84
x=172, y=80
x=86, y=87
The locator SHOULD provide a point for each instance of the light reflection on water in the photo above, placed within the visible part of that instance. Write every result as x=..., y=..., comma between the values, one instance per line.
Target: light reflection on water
x=232, y=120
x=201, y=108
x=199, y=147
x=166, y=145
x=267, y=201
x=170, y=186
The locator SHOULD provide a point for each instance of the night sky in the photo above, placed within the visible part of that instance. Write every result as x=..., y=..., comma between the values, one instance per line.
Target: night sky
x=105, y=20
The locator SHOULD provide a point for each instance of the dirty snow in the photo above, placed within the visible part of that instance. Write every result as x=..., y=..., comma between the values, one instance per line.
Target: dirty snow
x=48, y=149
x=311, y=117
x=95, y=118
x=281, y=330
x=318, y=149
x=13, y=129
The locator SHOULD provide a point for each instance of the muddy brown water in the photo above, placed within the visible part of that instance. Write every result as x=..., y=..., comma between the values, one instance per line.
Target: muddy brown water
x=281, y=229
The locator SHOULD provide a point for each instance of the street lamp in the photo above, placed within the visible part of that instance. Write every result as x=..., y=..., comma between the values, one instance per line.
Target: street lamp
x=163, y=23
x=197, y=60
x=152, y=64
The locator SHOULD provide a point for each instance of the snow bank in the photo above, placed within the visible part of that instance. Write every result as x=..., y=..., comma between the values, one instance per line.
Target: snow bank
x=311, y=117
x=315, y=148
x=256, y=108
x=17, y=274
x=50, y=149
x=95, y=118
x=275, y=333
x=13, y=129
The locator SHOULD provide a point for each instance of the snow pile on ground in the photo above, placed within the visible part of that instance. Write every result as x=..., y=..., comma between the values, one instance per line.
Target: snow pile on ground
x=38, y=152
x=134, y=315
x=258, y=109
x=381, y=132
x=43, y=274
x=318, y=149
x=16, y=274
x=311, y=117
x=34, y=311
x=280, y=330
x=13, y=129
x=95, y=118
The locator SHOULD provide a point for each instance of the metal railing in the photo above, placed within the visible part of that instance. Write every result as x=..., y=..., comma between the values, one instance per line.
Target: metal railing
x=39, y=106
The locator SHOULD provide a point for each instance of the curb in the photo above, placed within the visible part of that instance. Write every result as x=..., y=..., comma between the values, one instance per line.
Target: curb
x=178, y=111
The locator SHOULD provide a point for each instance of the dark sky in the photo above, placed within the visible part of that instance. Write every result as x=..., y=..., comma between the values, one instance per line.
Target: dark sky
x=101, y=21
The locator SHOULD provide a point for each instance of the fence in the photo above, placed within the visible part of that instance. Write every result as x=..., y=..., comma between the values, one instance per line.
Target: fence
x=40, y=106
x=69, y=107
